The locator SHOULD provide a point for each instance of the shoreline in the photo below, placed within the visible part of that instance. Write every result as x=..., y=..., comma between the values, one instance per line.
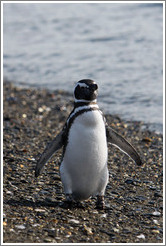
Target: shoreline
x=32, y=207
x=147, y=126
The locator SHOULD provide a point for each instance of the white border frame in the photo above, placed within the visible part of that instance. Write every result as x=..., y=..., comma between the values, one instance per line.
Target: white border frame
x=2, y=3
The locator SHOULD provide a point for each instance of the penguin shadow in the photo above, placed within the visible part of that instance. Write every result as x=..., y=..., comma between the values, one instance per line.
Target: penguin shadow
x=23, y=202
x=74, y=205
x=30, y=203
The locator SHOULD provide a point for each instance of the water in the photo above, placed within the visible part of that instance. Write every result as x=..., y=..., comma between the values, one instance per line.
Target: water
x=119, y=45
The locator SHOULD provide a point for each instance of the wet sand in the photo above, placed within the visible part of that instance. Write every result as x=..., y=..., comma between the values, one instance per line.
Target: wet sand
x=33, y=211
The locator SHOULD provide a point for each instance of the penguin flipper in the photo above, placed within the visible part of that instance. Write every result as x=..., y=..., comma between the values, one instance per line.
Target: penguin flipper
x=51, y=148
x=115, y=139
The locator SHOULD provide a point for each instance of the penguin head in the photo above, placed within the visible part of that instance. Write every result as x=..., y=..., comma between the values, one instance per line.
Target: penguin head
x=86, y=90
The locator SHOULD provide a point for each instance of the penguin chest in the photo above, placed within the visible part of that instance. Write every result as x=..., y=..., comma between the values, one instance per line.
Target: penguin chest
x=86, y=150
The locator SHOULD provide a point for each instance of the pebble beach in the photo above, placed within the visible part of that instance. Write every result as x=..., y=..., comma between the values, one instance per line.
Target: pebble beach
x=33, y=211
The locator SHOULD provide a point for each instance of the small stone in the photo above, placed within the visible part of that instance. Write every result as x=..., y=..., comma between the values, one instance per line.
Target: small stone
x=40, y=110
x=68, y=236
x=156, y=213
x=129, y=181
x=116, y=230
x=156, y=231
x=55, y=221
x=37, y=189
x=95, y=212
x=40, y=183
x=12, y=230
x=152, y=187
x=157, y=194
x=21, y=227
x=48, y=109
x=156, y=222
x=47, y=240
x=103, y=216
x=36, y=225
x=24, y=116
x=141, y=236
x=43, y=192
x=40, y=210
x=25, y=218
x=146, y=140
x=141, y=198
x=88, y=230
x=4, y=223
x=11, y=99
x=63, y=108
x=74, y=221
x=8, y=192
x=52, y=232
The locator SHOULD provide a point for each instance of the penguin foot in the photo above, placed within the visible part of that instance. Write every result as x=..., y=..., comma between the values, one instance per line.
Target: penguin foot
x=73, y=203
x=100, y=204
x=68, y=203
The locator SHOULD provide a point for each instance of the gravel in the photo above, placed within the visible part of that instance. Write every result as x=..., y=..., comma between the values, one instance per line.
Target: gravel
x=33, y=211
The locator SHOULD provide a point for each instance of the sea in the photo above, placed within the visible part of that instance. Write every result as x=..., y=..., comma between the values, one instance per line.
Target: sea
x=119, y=45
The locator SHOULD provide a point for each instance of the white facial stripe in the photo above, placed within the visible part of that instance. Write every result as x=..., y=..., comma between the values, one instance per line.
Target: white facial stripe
x=83, y=85
x=82, y=108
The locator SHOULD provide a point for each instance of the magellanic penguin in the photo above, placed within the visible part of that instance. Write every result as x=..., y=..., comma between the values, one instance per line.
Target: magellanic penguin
x=83, y=170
